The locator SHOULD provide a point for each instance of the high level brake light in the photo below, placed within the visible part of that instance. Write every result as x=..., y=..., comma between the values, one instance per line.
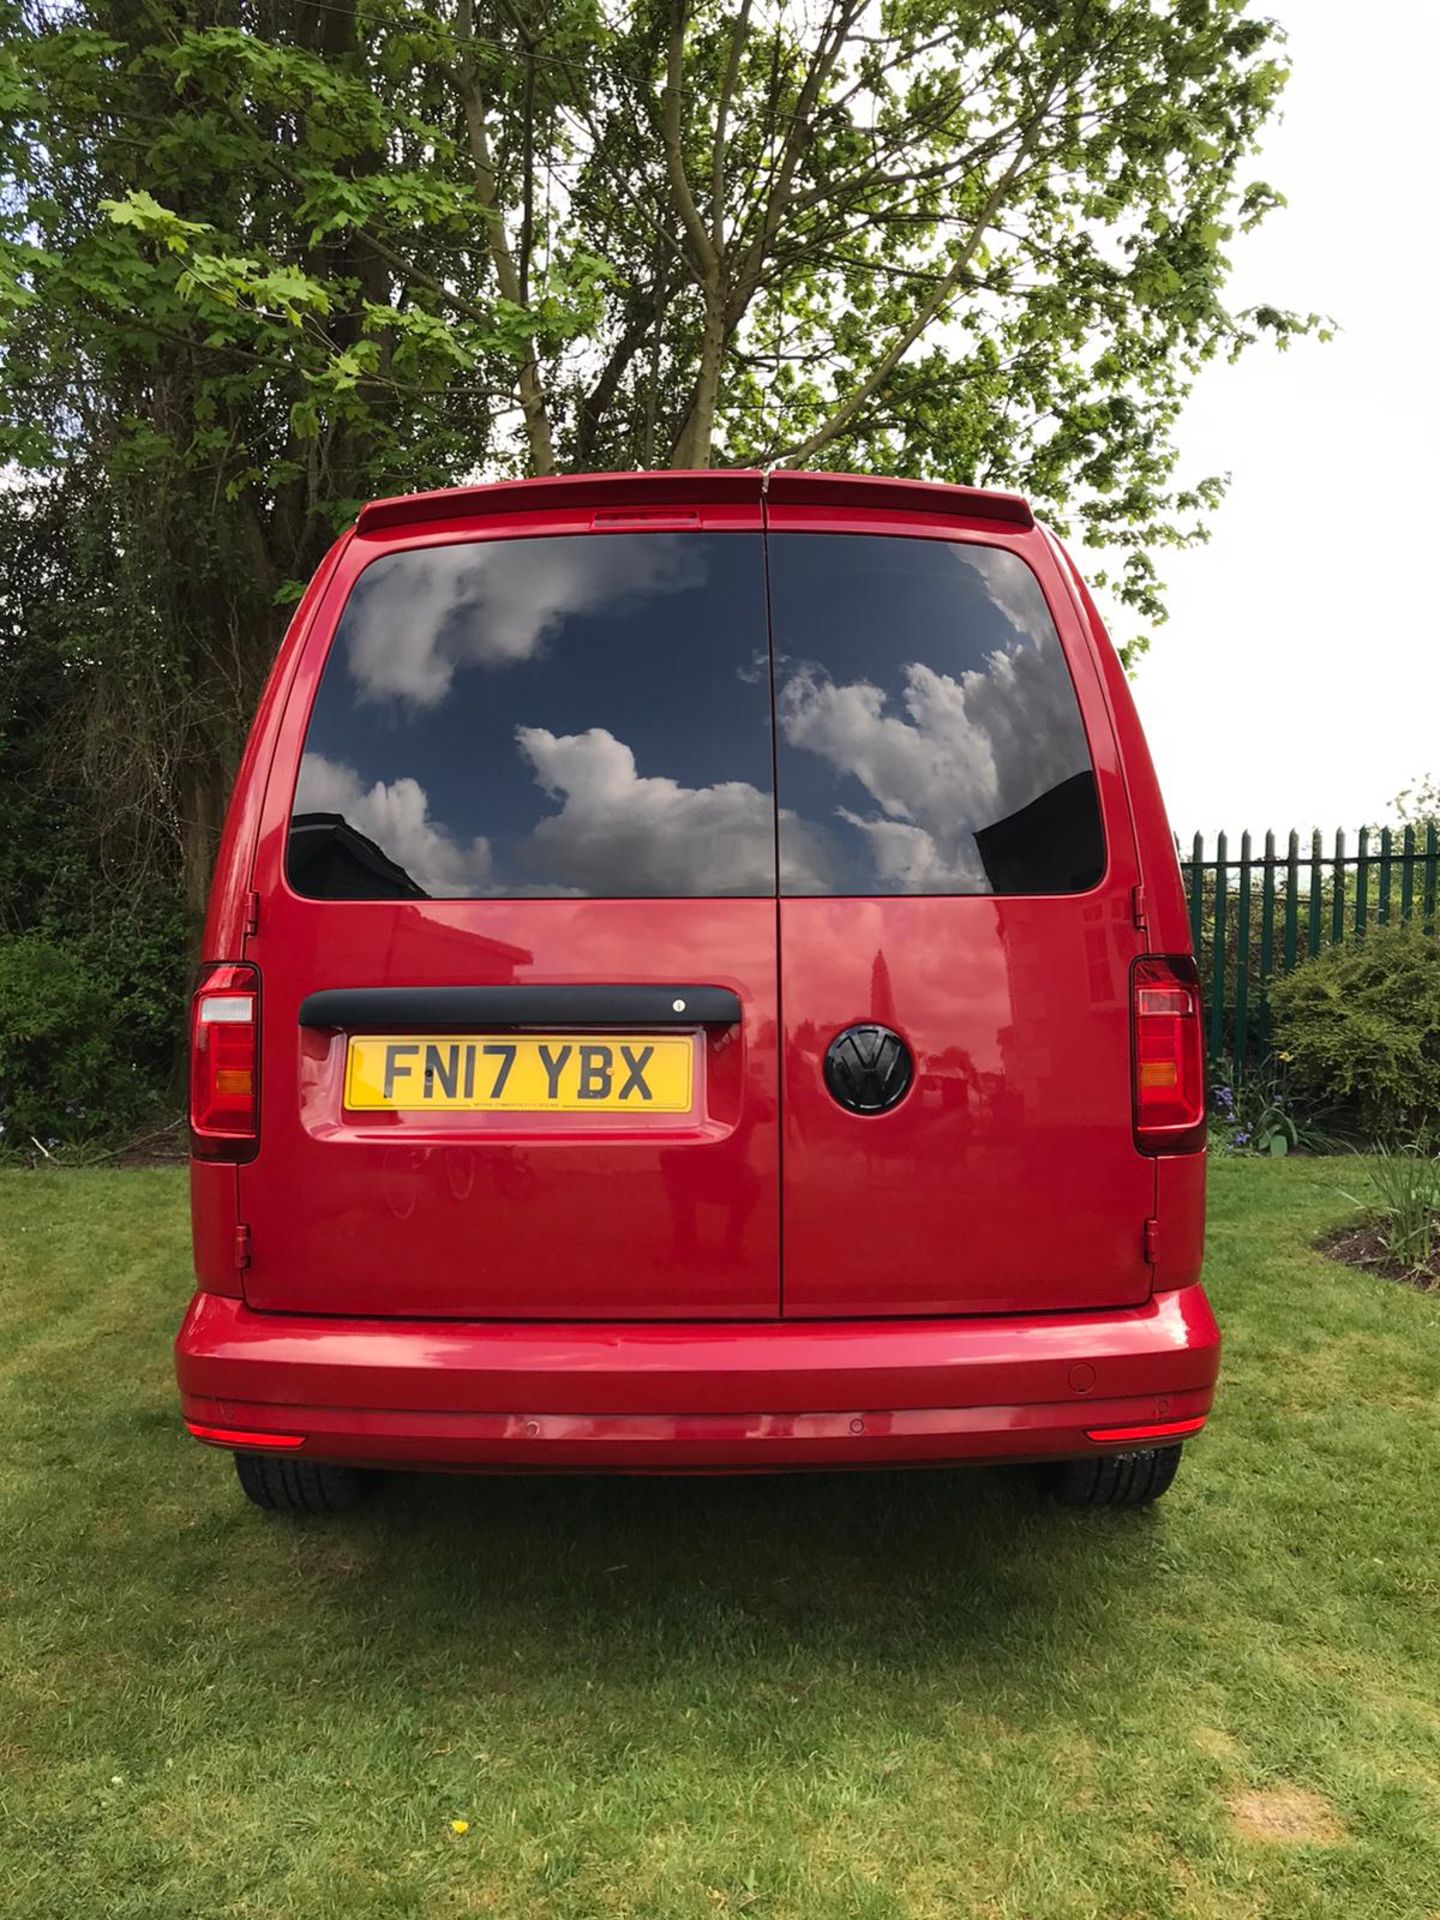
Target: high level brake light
x=224, y=1064
x=1169, y=1055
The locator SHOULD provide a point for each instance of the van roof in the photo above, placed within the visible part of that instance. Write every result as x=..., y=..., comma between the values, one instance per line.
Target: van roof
x=656, y=491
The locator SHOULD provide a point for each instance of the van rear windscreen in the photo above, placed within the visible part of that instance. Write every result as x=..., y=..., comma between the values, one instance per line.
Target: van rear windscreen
x=568, y=715
x=592, y=715
x=929, y=739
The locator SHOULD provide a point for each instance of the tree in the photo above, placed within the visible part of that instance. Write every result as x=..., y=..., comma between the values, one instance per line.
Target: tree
x=1418, y=805
x=267, y=257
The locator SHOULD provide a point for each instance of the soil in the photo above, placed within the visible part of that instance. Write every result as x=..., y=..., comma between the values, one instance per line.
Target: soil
x=1362, y=1247
x=1286, y=1816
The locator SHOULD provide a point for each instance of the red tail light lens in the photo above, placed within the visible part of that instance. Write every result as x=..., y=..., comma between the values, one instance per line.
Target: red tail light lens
x=1169, y=1056
x=224, y=1064
x=243, y=1437
x=1122, y=1436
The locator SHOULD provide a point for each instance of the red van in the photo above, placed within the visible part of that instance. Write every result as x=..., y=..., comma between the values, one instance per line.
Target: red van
x=697, y=979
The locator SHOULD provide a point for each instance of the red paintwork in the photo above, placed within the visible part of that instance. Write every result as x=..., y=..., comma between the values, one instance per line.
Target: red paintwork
x=476, y=1216
x=760, y=1394
x=647, y=497
x=1007, y=1180
x=431, y=1291
x=1180, y=1210
x=1018, y=1014
x=1179, y=1177
x=213, y=1218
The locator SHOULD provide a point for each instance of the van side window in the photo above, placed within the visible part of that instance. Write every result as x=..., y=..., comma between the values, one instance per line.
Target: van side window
x=563, y=716
x=929, y=739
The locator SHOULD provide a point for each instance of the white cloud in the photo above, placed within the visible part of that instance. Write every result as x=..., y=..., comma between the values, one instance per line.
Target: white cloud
x=415, y=618
x=1011, y=589
x=963, y=754
x=396, y=816
x=616, y=831
x=621, y=831
x=911, y=859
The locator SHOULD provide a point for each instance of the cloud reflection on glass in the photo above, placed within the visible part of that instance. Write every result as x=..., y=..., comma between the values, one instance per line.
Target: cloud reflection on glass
x=590, y=715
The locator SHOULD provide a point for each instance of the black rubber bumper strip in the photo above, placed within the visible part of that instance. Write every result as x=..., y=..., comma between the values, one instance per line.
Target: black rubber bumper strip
x=437, y=1009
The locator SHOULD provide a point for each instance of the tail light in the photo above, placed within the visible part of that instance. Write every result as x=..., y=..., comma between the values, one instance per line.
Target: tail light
x=1169, y=1055
x=1112, y=1436
x=224, y=1064
x=245, y=1437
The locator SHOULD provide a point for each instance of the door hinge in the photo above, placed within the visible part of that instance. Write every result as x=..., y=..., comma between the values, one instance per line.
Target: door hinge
x=1151, y=1243
x=251, y=922
x=1137, y=906
x=242, y=1246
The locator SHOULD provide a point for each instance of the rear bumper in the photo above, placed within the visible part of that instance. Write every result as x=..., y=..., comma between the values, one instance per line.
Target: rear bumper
x=726, y=1398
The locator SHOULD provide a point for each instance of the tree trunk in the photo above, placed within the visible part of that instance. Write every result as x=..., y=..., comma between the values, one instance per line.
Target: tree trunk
x=508, y=274
x=203, y=789
x=694, y=443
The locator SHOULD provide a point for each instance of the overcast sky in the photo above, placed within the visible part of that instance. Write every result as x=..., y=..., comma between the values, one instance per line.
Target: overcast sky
x=1297, y=682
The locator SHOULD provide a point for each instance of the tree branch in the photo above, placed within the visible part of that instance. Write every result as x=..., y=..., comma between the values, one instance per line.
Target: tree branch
x=607, y=384
x=854, y=401
x=507, y=274
x=692, y=445
x=706, y=256
x=722, y=115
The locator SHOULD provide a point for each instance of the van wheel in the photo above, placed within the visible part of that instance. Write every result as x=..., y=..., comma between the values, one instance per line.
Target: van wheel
x=301, y=1486
x=1114, y=1479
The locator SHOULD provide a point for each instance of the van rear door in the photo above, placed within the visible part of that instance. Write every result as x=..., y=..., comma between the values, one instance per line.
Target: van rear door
x=957, y=869
x=515, y=928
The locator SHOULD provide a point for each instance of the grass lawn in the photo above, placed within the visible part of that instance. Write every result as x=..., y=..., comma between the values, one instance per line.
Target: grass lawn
x=881, y=1695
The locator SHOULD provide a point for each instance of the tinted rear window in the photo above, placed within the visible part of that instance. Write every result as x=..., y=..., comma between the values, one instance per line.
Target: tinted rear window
x=928, y=734
x=575, y=715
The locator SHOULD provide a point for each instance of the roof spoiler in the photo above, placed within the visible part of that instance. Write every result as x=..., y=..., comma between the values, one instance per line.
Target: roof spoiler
x=735, y=486
x=791, y=488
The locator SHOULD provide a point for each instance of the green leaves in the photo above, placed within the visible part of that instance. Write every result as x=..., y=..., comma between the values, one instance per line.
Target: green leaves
x=143, y=212
x=253, y=273
x=235, y=281
x=1361, y=1023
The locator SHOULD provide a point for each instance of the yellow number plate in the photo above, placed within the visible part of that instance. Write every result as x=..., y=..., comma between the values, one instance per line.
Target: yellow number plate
x=520, y=1073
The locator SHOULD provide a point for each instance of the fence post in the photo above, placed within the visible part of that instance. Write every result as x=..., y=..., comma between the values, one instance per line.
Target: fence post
x=1197, y=891
x=1245, y=1023
x=1242, y=955
x=1337, y=906
x=1217, y=970
x=1317, y=893
x=1267, y=936
x=1292, y=899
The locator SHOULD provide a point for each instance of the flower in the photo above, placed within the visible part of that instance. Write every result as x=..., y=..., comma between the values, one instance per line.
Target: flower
x=459, y=1826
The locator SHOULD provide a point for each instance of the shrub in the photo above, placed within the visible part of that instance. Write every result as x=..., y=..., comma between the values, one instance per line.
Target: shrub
x=64, y=1077
x=1360, y=1025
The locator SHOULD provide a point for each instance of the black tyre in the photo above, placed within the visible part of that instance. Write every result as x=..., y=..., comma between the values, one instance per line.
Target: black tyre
x=282, y=1485
x=1114, y=1479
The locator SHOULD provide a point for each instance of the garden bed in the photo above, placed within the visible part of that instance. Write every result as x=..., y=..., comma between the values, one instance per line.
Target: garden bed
x=1366, y=1246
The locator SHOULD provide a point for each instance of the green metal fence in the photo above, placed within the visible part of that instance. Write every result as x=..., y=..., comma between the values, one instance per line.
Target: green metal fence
x=1254, y=915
